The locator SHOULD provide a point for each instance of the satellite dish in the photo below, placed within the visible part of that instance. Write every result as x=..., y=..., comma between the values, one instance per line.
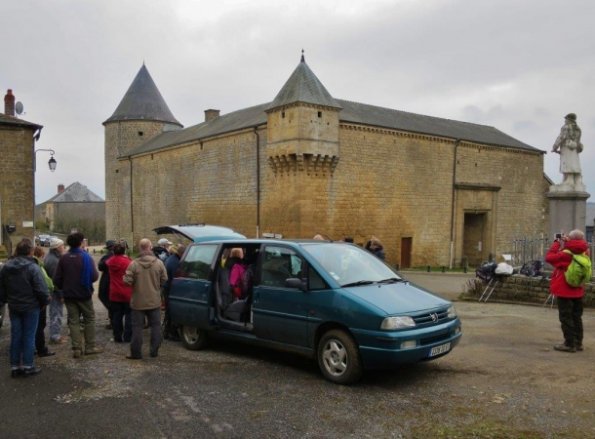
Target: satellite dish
x=19, y=107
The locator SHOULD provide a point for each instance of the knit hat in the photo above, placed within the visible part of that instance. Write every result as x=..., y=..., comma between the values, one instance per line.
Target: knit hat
x=55, y=243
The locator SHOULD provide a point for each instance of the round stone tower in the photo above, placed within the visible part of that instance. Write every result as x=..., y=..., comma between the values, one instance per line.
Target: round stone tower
x=141, y=115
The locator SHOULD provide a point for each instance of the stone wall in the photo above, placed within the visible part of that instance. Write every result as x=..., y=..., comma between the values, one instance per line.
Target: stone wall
x=385, y=183
x=16, y=182
x=519, y=288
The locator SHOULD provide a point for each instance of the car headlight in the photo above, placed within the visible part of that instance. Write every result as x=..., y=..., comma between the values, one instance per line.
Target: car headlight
x=451, y=313
x=397, y=322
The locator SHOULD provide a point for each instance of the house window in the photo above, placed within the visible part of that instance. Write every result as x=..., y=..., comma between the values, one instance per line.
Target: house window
x=140, y=134
x=320, y=114
x=283, y=115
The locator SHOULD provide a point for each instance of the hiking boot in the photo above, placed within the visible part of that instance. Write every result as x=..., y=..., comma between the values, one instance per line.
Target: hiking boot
x=15, y=373
x=579, y=347
x=93, y=351
x=564, y=348
x=76, y=353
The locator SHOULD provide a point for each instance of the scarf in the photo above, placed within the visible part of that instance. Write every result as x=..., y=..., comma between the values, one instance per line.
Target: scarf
x=87, y=273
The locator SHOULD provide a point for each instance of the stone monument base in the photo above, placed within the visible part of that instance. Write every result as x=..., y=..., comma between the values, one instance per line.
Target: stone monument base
x=568, y=210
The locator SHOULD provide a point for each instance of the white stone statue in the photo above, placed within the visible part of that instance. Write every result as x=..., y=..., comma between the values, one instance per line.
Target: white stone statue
x=569, y=146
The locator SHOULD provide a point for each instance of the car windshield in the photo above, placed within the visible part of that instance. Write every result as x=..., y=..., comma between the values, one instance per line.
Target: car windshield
x=350, y=265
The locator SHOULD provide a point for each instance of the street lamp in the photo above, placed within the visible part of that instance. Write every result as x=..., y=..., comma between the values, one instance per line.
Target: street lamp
x=51, y=162
x=52, y=165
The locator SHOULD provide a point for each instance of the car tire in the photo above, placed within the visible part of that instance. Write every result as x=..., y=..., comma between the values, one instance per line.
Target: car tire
x=338, y=357
x=193, y=338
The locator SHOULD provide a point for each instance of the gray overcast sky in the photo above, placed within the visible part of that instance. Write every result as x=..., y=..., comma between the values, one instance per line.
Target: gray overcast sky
x=520, y=66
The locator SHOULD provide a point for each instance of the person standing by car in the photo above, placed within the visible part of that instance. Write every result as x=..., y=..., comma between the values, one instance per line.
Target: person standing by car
x=171, y=266
x=41, y=348
x=23, y=287
x=570, y=299
x=104, y=282
x=50, y=262
x=119, y=294
x=162, y=249
x=146, y=274
x=75, y=275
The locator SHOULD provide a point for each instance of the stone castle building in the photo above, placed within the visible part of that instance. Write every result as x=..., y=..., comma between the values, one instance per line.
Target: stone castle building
x=434, y=191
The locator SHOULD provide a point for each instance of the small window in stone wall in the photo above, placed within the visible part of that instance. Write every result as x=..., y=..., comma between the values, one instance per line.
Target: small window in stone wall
x=320, y=114
x=283, y=115
x=140, y=133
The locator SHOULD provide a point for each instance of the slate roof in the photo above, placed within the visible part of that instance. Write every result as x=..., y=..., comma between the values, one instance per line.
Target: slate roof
x=15, y=121
x=143, y=101
x=76, y=193
x=304, y=86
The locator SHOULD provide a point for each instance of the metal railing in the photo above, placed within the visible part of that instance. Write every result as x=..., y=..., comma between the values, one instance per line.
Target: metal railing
x=525, y=250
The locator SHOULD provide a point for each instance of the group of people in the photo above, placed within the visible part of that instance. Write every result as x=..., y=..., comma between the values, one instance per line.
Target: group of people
x=30, y=282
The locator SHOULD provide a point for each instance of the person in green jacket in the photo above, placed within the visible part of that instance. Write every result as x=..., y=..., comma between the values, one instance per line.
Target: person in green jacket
x=41, y=348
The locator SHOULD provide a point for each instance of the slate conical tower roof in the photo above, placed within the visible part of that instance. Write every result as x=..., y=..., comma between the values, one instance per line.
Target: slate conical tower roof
x=303, y=86
x=143, y=101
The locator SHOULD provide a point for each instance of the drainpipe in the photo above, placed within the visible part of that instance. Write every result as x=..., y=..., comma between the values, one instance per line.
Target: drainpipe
x=257, y=182
x=452, y=206
x=131, y=205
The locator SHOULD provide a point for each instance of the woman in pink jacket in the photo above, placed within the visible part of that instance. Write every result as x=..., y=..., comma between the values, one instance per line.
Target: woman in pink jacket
x=120, y=294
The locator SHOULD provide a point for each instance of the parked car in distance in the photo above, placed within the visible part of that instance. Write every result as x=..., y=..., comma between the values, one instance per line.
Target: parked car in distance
x=43, y=240
x=332, y=301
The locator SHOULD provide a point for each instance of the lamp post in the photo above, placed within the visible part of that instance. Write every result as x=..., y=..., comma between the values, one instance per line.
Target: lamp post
x=51, y=162
x=52, y=165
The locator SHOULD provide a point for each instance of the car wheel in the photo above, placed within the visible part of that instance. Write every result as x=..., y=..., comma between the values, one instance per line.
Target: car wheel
x=338, y=357
x=193, y=338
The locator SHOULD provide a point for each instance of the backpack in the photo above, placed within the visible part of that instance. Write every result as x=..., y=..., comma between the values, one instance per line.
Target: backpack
x=532, y=268
x=579, y=271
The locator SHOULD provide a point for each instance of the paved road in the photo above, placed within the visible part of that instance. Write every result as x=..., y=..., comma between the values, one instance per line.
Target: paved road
x=503, y=380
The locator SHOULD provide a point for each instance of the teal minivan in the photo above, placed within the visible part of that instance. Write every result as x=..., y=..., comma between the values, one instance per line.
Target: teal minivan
x=332, y=301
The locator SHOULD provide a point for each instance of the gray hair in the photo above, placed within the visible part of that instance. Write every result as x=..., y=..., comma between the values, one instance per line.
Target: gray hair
x=576, y=234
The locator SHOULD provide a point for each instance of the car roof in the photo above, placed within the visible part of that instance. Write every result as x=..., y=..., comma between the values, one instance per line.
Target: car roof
x=200, y=232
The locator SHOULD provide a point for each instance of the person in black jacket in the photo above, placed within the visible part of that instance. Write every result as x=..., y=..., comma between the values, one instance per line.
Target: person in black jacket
x=104, y=280
x=23, y=287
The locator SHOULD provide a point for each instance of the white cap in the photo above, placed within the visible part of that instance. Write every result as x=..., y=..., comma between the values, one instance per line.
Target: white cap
x=55, y=243
x=164, y=241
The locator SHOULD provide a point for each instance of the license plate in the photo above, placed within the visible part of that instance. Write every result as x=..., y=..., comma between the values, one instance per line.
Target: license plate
x=437, y=350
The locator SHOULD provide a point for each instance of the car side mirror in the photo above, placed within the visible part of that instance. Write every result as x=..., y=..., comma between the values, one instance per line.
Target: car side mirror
x=298, y=284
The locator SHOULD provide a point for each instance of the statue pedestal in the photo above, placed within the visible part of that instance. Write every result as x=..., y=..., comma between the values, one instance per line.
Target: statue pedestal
x=568, y=210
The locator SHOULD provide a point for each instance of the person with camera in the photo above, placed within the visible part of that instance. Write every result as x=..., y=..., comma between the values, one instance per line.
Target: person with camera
x=570, y=298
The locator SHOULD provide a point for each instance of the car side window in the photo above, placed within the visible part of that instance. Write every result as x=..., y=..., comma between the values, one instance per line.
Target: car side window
x=197, y=263
x=279, y=264
x=315, y=282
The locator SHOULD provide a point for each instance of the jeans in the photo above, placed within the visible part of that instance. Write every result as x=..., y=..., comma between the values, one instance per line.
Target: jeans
x=76, y=309
x=121, y=325
x=22, y=337
x=138, y=323
x=56, y=315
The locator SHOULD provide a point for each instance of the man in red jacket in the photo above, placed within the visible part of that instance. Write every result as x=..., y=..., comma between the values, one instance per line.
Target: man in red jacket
x=570, y=299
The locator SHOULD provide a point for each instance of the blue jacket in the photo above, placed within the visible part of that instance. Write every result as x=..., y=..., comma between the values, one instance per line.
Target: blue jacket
x=22, y=285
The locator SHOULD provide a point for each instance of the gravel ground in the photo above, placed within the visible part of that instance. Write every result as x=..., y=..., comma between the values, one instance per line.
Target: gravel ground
x=503, y=380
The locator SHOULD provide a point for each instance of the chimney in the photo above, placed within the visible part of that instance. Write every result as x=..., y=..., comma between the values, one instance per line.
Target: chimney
x=9, y=103
x=60, y=188
x=211, y=114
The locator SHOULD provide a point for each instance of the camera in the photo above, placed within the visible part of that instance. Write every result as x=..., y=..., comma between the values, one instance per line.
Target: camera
x=558, y=236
